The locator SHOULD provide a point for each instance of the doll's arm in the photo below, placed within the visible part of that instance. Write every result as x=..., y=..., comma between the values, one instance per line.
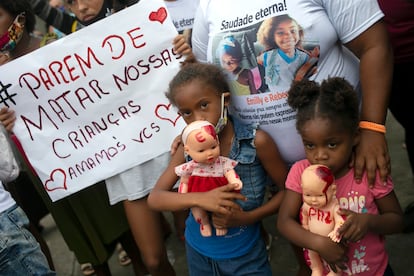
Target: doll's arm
x=183, y=187
x=304, y=218
x=339, y=221
x=233, y=177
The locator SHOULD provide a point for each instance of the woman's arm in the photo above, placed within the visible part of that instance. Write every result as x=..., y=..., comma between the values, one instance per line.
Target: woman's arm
x=373, y=49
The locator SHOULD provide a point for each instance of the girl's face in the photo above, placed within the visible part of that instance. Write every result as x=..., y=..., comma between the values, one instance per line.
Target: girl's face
x=229, y=63
x=328, y=144
x=196, y=101
x=85, y=10
x=287, y=35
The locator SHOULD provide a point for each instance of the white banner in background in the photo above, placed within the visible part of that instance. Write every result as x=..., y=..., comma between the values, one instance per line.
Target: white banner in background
x=92, y=104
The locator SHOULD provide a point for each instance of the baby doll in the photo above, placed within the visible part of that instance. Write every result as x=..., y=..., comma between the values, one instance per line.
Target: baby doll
x=207, y=169
x=319, y=212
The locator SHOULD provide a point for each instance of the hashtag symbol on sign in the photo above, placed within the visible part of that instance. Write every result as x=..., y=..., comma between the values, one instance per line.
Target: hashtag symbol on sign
x=5, y=97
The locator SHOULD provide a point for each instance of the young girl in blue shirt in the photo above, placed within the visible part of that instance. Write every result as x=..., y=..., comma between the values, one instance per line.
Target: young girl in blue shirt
x=200, y=92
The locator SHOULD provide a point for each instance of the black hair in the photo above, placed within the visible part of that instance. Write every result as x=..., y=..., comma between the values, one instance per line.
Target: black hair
x=334, y=99
x=209, y=74
x=16, y=7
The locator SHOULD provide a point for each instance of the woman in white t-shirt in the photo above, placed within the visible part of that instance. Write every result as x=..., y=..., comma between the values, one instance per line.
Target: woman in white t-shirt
x=352, y=42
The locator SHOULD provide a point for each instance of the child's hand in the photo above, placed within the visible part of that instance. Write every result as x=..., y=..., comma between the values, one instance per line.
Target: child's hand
x=333, y=253
x=355, y=226
x=231, y=219
x=7, y=118
x=220, y=200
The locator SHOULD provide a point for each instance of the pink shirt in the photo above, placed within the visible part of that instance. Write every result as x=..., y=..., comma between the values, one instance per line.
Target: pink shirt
x=368, y=256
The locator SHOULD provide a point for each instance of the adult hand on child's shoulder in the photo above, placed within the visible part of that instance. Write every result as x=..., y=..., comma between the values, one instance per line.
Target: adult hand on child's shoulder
x=175, y=144
x=371, y=154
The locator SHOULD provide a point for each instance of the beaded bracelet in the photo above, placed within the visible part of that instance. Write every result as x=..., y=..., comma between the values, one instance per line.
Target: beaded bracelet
x=372, y=126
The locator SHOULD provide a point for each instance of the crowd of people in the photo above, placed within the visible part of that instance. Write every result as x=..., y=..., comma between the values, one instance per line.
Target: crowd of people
x=285, y=88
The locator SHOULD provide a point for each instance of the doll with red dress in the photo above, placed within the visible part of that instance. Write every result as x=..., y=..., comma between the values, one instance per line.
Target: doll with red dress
x=207, y=169
x=319, y=212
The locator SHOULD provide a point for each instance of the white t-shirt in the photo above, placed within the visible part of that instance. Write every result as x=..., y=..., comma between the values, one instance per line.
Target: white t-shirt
x=182, y=13
x=325, y=24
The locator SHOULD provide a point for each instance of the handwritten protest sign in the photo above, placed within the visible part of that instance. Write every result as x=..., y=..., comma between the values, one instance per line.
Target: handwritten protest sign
x=92, y=104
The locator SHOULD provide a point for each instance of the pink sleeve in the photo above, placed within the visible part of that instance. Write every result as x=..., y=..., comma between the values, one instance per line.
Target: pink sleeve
x=293, y=179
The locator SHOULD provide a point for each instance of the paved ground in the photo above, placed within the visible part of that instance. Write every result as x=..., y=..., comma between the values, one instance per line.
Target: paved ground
x=400, y=247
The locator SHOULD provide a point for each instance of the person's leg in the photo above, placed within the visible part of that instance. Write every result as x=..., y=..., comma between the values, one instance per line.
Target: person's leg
x=148, y=234
x=20, y=253
x=102, y=269
x=199, y=265
x=128, y=243
x=43, y=245
x=254, y=263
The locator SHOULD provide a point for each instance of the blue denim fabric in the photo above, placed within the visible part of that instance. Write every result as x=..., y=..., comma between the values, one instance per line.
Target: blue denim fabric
x=20, y=253
x=251, y=264
x=249, y=168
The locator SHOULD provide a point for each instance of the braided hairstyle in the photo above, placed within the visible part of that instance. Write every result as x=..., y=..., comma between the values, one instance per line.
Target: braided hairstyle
x=334, y=99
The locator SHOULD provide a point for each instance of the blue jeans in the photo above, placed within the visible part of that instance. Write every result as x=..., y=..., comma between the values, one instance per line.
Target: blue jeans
x=253, y=263
x=20, y=253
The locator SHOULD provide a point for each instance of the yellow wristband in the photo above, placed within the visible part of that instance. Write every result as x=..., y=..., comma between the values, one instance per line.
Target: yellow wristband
x=372, y=126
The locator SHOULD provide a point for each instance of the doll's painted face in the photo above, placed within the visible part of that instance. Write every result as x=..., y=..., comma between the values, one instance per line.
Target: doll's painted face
x=317, y=186
x=202, y=146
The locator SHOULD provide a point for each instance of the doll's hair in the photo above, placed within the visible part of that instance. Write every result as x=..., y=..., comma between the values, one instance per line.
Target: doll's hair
x=208, y=74
x=334, y=99
x=198, y=125
x=16, y=7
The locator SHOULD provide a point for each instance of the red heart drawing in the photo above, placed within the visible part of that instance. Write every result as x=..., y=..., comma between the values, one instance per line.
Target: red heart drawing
x=165, y=113
x=51, y=185
x=159, y=15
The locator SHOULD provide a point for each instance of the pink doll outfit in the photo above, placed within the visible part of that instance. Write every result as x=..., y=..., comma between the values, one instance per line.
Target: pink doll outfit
x=205, y=177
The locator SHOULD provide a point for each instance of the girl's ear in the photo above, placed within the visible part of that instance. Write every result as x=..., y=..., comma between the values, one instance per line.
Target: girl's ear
x=226, y=96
